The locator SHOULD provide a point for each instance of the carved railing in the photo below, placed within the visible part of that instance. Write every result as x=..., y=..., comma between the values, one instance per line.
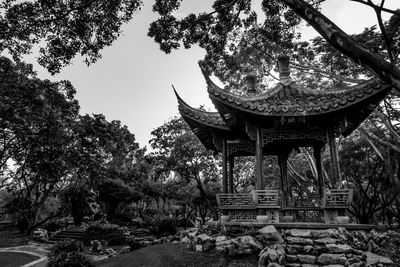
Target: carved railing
x=245, y=206
x=338, y=198
x=336, y=203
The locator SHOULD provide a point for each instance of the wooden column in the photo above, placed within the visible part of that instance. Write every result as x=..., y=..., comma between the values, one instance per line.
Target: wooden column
x=259, y=160
x=231, y=165
x=317, y=157
x=334, y=158
x=282, y=160
x=224, y=166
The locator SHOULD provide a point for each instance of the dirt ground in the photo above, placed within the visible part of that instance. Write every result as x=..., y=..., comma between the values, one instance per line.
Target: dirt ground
x=175, y=255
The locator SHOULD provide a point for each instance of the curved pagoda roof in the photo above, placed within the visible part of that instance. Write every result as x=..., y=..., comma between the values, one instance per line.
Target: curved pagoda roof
x=346, y=109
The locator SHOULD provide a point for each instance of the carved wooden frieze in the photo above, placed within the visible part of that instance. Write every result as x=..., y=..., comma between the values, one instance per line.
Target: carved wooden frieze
x=269, y=137
x=242, y=147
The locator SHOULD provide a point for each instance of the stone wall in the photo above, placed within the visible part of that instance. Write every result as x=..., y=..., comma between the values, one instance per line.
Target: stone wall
x=299, y=247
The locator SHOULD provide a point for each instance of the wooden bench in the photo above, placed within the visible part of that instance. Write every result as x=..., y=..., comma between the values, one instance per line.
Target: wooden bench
x=240, y=207
x=269, y=202
x=336, y=202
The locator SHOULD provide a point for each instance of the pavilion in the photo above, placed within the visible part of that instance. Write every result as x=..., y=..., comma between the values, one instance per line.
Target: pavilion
x=276, y=122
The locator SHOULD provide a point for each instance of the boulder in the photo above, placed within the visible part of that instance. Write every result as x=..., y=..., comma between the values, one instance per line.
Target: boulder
x=248, y=242
x=325, y=233
x=299, y=233
x=310, y=259
x=299, y=240
x=338, y=248
x=202, y=238
x=326, y=240
x=373, y=259
x=271, y=234
x=326, y=259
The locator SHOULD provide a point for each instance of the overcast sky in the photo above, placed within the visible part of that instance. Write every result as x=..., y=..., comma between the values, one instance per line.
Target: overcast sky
x=132, y=81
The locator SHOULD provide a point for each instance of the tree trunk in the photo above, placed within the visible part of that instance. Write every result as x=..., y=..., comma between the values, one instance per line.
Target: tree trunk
x=346, y=44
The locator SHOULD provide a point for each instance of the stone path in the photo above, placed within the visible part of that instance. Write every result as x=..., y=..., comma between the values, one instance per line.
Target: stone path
x=32, y=249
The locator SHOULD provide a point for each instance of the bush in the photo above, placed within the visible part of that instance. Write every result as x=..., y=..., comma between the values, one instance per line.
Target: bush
x=167, y=226
x=66, y=246
x=105, y=231
x=75, y=259
x=68, y=253
x=160, y=225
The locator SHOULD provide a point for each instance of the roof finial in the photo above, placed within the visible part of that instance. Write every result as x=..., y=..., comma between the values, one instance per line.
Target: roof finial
x=283, y=68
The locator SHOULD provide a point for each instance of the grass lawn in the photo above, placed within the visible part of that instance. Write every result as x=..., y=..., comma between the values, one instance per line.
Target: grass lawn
x=175, y=255
x=15, y=259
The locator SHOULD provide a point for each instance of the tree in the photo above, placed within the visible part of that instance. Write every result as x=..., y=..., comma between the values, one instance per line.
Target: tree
x=233, y=38
x=36, y=122
x=177, y=150
x=62, y=28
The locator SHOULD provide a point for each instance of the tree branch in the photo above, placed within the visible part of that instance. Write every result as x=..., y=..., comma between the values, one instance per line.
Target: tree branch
x=346, y=44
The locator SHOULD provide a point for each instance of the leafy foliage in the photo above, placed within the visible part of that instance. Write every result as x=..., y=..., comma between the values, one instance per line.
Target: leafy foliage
x=68, y=253
x=62, y=29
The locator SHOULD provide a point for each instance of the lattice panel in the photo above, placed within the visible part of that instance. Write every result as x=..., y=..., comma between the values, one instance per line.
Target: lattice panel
x=233, y=148
x=235, y=200
x=305, y=202
x=338, y=197
x=308, y=216
x=243, y=215
x=269, y=137
x=267, y=198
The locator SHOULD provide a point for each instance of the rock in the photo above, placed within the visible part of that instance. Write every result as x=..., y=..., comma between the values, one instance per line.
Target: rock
x=202, y=238
x=299, y=233
x=208, y=245
x=274, y=264
x=292, y=265
x=378, y=237
x=248, y=242
x=185, y=240
x=326, y=240
x=307, y=259
x=357, y=264
x=271, y=234
x=326, y=259
x=225, y=246
x=371, y=246
x=273, y=254
x=324, y=233
x=199, y=248
x=220, y=238
x=291, y=258
x=338, y=249
x=308, y=249
x=299, y=240
x=293, y=249
x=375, y=259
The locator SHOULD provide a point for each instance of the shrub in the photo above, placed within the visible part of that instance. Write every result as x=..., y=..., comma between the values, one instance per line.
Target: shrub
x=68, y=253
x=75, y=259
x=66, y=246
x=105, y=231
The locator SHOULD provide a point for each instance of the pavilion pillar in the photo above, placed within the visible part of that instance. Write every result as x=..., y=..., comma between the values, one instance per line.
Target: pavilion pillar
x=259, y=160
x=334, y=158
x=231, y=165
x=224, y=166
x=282, y=160
x=318, y=161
